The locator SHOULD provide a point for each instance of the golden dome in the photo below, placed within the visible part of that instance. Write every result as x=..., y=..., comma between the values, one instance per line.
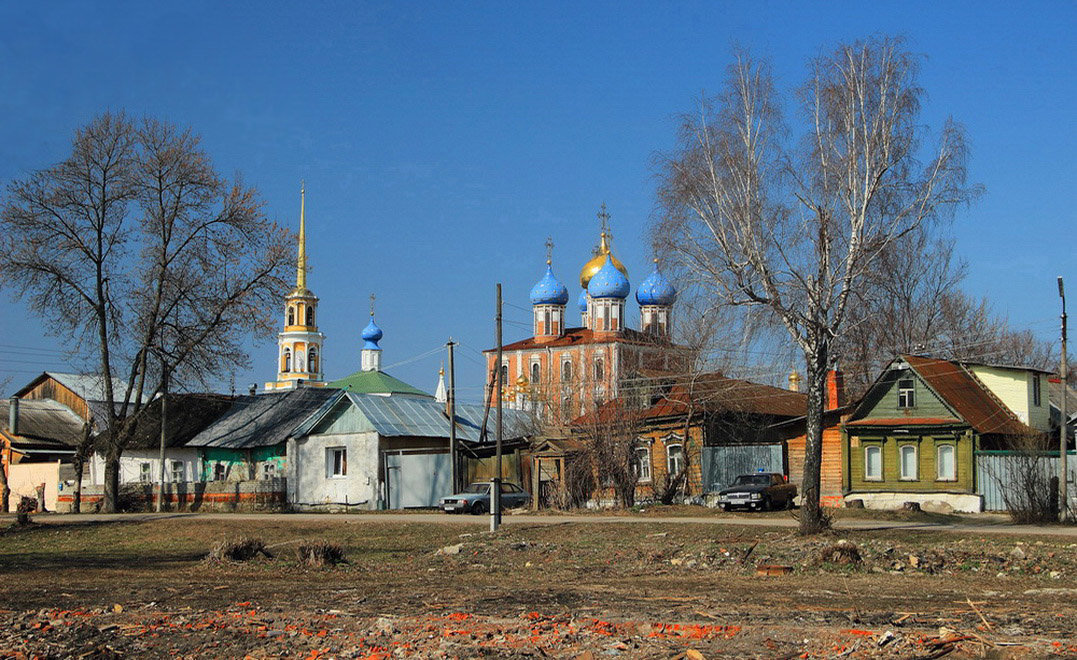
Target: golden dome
x=596, y=263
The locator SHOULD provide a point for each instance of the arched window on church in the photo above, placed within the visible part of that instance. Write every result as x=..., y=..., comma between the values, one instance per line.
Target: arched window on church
x=299, y=362
x=504, y=375
x=286, y=361
x=310, y=318
x=566, y=371
x=312, y=359
x=535, y=373
x=291, y=315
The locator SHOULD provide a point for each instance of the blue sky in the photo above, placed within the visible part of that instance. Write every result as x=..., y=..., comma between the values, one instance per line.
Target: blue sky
x=442, y=142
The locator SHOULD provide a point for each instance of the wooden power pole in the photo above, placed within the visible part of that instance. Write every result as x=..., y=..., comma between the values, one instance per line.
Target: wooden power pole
x=495, y=486
x=1063, y=434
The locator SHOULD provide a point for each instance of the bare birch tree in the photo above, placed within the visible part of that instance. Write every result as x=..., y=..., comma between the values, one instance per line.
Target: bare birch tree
x=761, y=221
x=136, y=248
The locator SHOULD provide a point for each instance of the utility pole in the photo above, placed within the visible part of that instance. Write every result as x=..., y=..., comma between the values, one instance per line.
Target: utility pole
x=453, y=476
x=495, y=485
x=164, y=420
x=1063, y=434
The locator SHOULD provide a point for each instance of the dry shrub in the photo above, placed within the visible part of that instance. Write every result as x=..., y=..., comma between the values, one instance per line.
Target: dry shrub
x=243, y=549
x=841, y=553
x=320, y=553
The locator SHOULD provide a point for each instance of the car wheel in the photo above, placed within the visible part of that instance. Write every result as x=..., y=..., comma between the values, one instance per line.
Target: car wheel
x=478, y=508
x=765, y=504
x=789, y=504
x=723, y=507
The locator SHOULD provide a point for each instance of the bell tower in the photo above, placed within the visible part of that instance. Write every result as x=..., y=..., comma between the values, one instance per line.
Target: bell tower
x=299, y=345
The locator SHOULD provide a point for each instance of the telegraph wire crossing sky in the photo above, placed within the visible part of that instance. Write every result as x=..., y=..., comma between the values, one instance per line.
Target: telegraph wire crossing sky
x=441, y=146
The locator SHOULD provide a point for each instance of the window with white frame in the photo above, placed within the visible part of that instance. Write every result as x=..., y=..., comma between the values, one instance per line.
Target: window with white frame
x=566, y=371
x=536, y=372
x=873, y=463
x=145, y=472
x=336, y=462
x=641, y=463
x=675, y=459
x=220, y=471
x=906, y=393
x=269, y=470
x=946, y=463
x=600, y=370
x=178, y=473
x=907, y=460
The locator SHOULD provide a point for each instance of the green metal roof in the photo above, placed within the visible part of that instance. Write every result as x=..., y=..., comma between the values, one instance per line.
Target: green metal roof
x=376, y=382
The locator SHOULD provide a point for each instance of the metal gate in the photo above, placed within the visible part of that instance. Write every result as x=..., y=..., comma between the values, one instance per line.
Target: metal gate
x=721, y=465
x=417, y=480
x=998, y=470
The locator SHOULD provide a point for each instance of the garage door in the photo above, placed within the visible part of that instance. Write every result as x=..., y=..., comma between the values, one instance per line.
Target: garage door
x=417, y=480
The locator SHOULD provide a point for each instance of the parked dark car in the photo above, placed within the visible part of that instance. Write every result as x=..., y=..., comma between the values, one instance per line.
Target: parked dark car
x=476, y=498
x=760, y=491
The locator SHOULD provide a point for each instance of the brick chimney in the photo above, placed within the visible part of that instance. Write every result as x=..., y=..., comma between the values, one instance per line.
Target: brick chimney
x=835, y=389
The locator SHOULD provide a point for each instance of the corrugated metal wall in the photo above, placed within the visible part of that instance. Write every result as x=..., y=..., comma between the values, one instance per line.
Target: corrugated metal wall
x=995, y=469
x=721, y=465
x=417, y=480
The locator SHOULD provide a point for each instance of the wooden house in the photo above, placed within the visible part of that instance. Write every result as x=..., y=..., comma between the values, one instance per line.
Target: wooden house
x=914, y=434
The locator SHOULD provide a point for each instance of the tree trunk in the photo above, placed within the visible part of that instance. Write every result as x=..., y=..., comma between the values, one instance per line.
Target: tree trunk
x=5, y=491
x=76, y=497
x=812, y=520
x=112, y=481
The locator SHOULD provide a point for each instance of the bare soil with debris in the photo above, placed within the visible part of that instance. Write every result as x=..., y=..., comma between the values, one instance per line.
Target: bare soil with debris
x=575, y=590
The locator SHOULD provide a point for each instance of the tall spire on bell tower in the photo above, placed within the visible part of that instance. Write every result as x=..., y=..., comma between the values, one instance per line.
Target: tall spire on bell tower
x=300, y=344
x=301, y=262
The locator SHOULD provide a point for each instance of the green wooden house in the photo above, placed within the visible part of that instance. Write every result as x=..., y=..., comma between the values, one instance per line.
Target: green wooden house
x=914, y=435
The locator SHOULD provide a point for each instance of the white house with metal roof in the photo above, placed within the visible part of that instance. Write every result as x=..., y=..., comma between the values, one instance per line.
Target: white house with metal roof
x=369, y=451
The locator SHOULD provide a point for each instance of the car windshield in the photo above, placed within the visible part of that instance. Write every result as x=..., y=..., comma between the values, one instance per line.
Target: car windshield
x=482, y=489
x=752, y=480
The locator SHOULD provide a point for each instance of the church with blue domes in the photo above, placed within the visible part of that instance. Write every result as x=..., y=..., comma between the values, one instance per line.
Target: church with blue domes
x=563, y=371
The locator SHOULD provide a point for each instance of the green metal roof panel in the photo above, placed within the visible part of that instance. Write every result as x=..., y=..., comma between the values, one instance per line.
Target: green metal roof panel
x=376, y=382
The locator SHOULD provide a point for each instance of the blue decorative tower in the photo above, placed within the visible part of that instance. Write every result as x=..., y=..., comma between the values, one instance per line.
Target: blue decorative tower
x=656, y=296
x=372, y=334
x=606, y=293
x=548, y=299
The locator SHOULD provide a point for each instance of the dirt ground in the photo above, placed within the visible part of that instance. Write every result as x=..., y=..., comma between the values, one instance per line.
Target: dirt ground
x=572, y=589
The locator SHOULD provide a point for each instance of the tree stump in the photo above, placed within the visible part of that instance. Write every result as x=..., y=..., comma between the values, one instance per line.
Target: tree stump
x=911, y=506
x=854, y=504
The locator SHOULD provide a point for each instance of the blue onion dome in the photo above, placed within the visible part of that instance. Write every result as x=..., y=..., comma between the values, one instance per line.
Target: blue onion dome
x=609, y=282
x=372, y=334
x=582, y=301
x=549, y=290
x=656, y=289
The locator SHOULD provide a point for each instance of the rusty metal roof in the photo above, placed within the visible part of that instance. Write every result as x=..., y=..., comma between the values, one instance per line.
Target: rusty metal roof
x=967, y=396
x=713, y=393
x=906, y=421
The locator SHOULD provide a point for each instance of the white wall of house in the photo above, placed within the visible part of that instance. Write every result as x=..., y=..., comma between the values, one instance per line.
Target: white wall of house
x=315, y=477
x=24, y=479
x=143, y=466
x=1015, y=388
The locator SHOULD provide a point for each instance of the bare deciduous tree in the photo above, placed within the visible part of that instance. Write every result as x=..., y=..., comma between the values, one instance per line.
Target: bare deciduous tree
x=134, y=246
x=609, y=434
x=759, y=222
x=912, y=303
